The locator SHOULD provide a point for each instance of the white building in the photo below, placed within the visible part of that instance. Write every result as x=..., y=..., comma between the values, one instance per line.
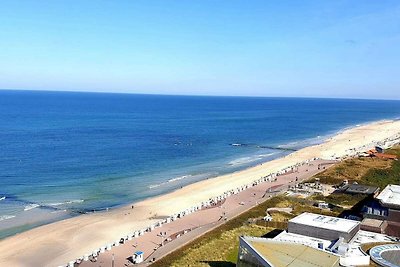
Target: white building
x=324, y=227
x=328, y=241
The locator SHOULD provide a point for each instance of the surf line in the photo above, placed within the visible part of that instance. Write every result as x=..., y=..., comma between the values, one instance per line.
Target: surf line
x=267, y=147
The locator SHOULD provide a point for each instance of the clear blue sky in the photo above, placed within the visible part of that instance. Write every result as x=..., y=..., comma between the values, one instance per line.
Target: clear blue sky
x=258, y=48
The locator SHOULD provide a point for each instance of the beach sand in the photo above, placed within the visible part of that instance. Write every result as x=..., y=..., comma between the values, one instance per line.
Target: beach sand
x=200, y=222
x=60, y=242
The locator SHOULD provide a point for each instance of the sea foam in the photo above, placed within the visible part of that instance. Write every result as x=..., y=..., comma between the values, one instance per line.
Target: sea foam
x=6, y=217
x=66, y=202
x=31, y=207
x=170, y=181
x=247, y=160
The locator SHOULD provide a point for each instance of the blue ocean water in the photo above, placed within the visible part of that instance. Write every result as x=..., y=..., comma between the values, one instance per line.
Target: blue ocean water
x=77, y=152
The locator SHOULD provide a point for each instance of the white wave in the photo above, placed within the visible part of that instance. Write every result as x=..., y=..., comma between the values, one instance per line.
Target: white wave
x=6, y=217
x=236, y=144
x=55, y=204
x=66, y=202
x=178, y=178
x=58, y=211
x=170, y=181
x=31, y=206
x=306, y=142
x=267, y=155
x=2, y=198
x=246, y=160
x=243, y=160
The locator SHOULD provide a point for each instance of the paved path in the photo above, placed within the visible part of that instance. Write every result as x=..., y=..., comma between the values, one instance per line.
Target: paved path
x=196, y=224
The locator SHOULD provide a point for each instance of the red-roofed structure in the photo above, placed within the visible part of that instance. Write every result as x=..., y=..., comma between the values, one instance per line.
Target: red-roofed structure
x=385, y=156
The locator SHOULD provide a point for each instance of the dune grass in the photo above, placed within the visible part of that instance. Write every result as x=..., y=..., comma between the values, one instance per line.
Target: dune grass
x=220, y=251
x=219, y=247
x=340, y=199
x=368, y=171
x=352, y=170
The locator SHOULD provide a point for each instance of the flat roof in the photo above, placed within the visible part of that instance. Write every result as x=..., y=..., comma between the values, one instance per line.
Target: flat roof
x=365, y=237
x=361, y=189
x=285, y=236
x=325, y=222
x=286, y=254
x=372, y=222
x=390, y=195
x=362, y=237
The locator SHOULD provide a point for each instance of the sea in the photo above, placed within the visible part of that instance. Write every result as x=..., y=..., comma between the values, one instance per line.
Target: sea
x=67, y=153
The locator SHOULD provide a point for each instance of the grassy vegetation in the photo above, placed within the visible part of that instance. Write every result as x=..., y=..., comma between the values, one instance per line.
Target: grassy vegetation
x=219, y=247
x=280, y=216
x=352, y=170
x=368, y=171
x=383, y=177
x=220, y=251
x=340, y=199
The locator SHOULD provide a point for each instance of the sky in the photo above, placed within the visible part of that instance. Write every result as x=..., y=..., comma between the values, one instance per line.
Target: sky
x=345, y=49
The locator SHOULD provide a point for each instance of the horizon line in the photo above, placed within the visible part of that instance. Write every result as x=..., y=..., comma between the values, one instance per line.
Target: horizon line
x=194, y=95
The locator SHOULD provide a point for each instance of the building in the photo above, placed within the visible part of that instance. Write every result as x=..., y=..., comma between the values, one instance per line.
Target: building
x=322, y=205
x=268, y=252
x=138, y=257
x=324, y=227
x=390, y=198
x=373, y=225
x=385, y=156
x=386, y=208
x=379, y=153
x=359, y=189
x=386, y=255
x=311, y=240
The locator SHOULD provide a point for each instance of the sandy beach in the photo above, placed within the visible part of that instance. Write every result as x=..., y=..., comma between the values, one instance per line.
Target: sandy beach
x=181, y=231
x=58, y=243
